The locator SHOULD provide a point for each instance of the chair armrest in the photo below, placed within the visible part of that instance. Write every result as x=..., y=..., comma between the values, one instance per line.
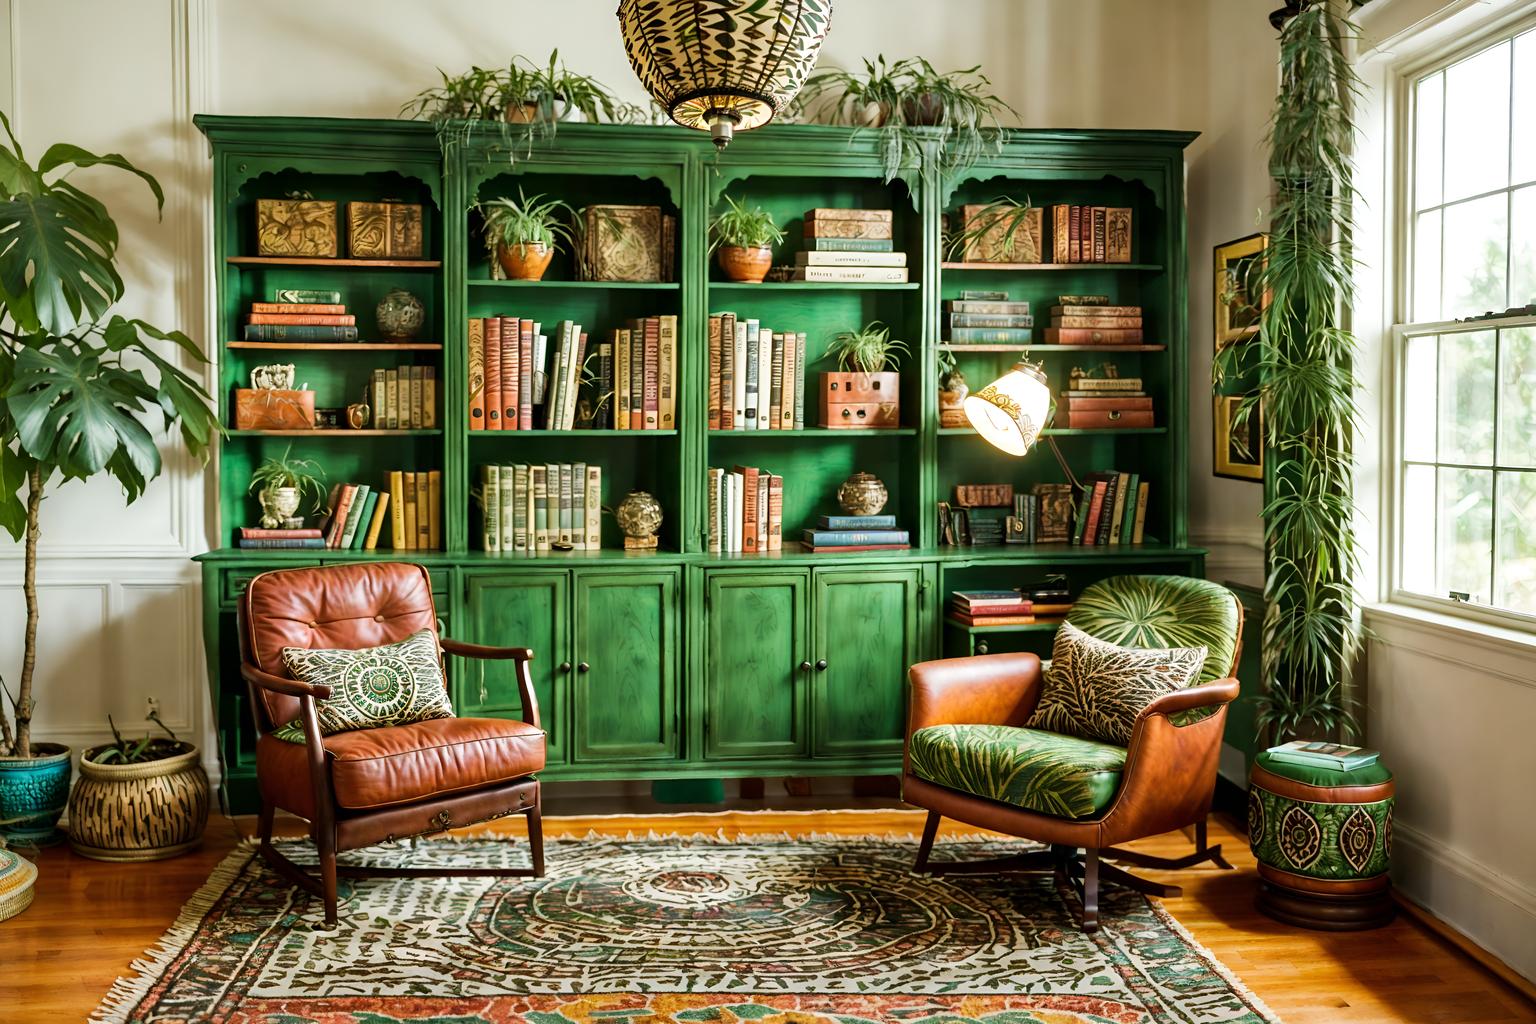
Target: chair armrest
x=465, y=650
x=988, y=689
x=1206, y=695
x=277, y=684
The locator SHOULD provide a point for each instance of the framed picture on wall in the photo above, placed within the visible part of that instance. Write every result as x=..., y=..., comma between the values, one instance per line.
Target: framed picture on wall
x=1239, y=297
x=1239, y=451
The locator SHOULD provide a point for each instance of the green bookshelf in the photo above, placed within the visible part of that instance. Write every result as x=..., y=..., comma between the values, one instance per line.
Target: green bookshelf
x=702, y=677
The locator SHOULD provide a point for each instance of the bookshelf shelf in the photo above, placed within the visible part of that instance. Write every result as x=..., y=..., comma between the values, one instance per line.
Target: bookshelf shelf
x=849, y=435
x=1062, y=431
x=333, y=433
x=338, y=346
x=1038, y=348
x=814, y=286
x=569, y=433
x=1028, y=627
x=634, y=286
x=1078, y=267
x=332, y=263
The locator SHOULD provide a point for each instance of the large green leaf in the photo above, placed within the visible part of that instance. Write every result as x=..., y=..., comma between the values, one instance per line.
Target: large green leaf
x=62, y=153
x=74, y=413
x=57, y=250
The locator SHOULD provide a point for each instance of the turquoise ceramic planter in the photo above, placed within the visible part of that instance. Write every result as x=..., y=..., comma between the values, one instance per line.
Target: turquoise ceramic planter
x=36, y=790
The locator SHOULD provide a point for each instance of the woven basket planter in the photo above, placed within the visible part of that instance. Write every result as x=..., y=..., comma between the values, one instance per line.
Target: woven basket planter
x=17, y=877
x=133, y=812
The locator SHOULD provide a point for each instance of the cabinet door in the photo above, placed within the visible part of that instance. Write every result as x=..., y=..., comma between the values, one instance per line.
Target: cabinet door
x=525, y=609
x=756, y=642
x=865, y=639
x=625, y=703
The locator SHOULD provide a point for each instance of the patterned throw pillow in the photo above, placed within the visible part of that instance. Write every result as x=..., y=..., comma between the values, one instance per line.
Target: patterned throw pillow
x=1095, y=689
x=396, y=684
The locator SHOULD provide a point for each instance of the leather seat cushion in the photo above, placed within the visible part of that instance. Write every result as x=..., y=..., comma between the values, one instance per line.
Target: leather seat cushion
x=401, y=764
x=1037, y=770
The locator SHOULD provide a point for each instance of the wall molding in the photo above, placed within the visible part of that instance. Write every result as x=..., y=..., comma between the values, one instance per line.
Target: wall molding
x=1486, y=649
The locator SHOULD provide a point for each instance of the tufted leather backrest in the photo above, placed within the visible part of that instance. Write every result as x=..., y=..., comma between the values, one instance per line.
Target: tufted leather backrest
x=1165, y=611
x=333, y=607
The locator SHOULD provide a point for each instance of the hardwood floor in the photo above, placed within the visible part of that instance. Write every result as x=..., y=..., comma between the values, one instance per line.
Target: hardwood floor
x=90, y=920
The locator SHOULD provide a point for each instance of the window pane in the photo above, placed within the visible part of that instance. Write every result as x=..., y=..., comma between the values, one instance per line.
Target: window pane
x=1517, y=542
x=1524, y=156
x=1466, y=533
x=1477, y=124
x=1426, y=267
x=1418, y=552
x=1428, y=148
x=1476, y=234
x=1466, y=397
x=1517, y=398
x=1522, y=269
x=1419, y=389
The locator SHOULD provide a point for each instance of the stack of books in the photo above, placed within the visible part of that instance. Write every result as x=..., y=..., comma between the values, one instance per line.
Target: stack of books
x=404, y=398
x=849, y=245
x=538, y=508
x=260, y=537
x=1104, y=403
x=1091, y=320
x=756, y=375
x=1002, y=608
x=1112, y=510
x=745, y=506
x=1089, y=234
x=848, y=534
x=1337, y=757
x=301, y=314
x=1043, y=516
x=982, y=317
x=521, y=378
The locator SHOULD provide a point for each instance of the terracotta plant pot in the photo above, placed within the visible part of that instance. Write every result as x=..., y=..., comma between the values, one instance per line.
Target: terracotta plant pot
x=860, y=401
x=133, y=812
x=525, y=262
x=33, y=793
x=746, y=265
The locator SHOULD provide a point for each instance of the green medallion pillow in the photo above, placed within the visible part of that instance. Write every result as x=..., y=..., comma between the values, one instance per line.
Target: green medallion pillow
x=1095, y=689
x=396, y=684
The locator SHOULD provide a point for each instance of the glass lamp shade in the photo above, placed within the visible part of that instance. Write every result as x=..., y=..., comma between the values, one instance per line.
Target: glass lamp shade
x=1011, y=410
x=723, y=66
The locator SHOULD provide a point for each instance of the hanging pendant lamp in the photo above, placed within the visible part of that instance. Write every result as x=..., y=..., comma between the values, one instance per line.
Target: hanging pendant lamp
x=723, y=66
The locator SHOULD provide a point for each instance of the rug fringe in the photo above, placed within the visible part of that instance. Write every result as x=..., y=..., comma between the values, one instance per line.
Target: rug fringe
x=1213, y=963
x=127, y=991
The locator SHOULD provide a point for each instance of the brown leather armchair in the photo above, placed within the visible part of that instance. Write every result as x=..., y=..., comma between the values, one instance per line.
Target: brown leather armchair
x=1169, y=769
x=360, y=788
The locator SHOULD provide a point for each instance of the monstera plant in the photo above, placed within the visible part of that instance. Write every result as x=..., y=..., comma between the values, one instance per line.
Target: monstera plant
x=76, y=382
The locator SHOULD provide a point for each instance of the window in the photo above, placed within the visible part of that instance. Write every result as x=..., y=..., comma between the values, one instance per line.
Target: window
x=1466, y=480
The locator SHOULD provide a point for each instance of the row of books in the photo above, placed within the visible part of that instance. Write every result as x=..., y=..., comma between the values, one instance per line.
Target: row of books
x=848, y=534
x=404, y=398
x=1089, y=234
x=1091, y=320
x=301, y=314
x=745, y=506
x=1111, y=510
x=522, y=379
x=987, y=317
x=872, y=259
x=756, y=375
x=355, y=514
x=541, y=507
x=1004, y=608
x=1043, y=516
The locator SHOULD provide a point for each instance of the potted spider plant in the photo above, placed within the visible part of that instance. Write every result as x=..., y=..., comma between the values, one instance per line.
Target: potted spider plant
x=137, y=800
x=864, y=392
x=744, y=237
x=455, y=105
x=952, y=391
x=862, y=99
x=531, y=94
x=521, y=234
x=282, y=483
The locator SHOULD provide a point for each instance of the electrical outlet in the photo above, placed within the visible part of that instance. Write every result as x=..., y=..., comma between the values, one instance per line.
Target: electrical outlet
x=151, y=706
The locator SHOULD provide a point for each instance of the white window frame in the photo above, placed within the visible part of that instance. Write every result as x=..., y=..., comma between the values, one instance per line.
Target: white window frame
x=1404, y=220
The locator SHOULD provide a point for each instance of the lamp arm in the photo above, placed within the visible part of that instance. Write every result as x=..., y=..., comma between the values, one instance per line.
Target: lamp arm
x=1061, y=461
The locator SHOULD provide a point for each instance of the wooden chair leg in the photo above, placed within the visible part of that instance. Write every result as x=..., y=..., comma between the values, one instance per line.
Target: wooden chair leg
x=264, y=823
x=1090, y=918
x=536, y=835
x=1203, y=852
x=930, y=829
x=326, y=844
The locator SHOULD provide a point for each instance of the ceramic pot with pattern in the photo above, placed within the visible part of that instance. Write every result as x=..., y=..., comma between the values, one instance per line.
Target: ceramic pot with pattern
x=748, y=266
x=525, y=261
x=146, y=811
x=33, y=793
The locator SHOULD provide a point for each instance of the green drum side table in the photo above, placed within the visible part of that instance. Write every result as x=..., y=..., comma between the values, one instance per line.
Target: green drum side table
x=1323, y=840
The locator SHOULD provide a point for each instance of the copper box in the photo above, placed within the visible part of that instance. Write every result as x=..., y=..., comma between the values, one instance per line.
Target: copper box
x=385, y=230
x=855, y=401
x=274, y=409
x=296, y=227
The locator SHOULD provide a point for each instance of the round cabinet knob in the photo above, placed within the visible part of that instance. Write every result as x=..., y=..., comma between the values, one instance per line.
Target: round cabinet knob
x=805, y=666
x=821, y=665
x=564, y=666
x=583, y=667
x=981, y=647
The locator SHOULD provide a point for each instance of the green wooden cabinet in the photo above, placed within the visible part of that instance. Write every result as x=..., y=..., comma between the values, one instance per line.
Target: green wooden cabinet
x=522, y=610
x=866, y=636
x=756, y=664
x=624, y=706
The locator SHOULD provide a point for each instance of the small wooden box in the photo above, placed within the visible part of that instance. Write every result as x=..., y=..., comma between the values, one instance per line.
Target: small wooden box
x=995, y=245
x=274, y=409
x=296, y=227
x=984, y=495
x=385, y=230
x=860, y=401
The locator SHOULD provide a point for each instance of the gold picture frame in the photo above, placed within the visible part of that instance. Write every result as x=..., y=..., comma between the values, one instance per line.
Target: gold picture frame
x=1241, y=458
x=1237, y=313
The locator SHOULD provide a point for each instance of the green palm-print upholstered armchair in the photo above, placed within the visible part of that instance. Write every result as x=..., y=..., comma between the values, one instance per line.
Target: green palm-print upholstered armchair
x=970, y=757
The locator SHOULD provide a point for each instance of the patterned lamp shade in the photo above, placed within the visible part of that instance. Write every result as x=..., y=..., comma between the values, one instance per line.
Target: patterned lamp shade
x=1010, y=411
x=723, y=66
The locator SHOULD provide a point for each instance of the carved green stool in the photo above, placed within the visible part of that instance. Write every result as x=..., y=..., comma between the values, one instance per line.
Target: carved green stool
x=1323, y=840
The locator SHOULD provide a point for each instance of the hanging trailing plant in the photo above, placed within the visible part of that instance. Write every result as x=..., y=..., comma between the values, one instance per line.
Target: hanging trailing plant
x=1307, y=389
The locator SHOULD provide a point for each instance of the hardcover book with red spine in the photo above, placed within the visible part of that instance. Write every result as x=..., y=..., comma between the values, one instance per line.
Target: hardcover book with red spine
x=298, y=307
x=510, y=372
x=493, y=373
x=749, y=507
x=306, y=319
x=525, y=375
x=1092, y=336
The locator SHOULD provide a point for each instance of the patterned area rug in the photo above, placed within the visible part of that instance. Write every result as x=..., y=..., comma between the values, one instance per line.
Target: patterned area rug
x=656, y=929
